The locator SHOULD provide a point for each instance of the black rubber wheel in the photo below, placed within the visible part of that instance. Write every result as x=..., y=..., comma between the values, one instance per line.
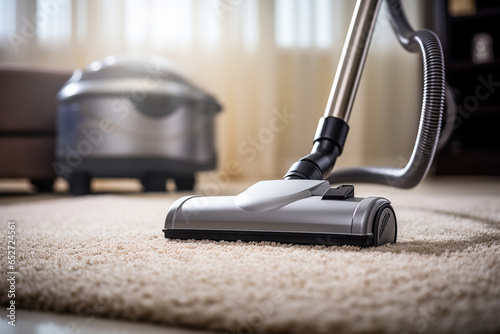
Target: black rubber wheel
x=185, y=182
x=154, y=182
x=79, y=183
x=43, y=185
x=385, y=228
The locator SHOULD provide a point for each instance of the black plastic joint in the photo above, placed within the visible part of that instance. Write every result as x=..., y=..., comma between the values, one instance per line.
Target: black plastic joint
x=304, y=169
x=333, y=129
x=328, y=144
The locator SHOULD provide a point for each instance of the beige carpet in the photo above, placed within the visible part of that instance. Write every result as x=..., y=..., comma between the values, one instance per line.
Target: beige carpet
x=105, y=255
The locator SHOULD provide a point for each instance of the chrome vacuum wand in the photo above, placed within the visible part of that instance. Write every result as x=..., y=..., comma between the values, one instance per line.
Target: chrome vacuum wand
x=302, y=208
x=332, y=128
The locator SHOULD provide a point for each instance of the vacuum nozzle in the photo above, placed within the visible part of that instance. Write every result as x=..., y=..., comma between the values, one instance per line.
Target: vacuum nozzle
x=289, y=211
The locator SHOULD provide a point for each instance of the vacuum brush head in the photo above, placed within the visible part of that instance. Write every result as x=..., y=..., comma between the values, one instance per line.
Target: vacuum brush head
x=287, y=211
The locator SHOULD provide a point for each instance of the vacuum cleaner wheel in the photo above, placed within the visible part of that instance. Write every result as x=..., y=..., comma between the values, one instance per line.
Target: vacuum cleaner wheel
x=384, y=226
x=43, y=185
x=79, y=183
x=185, y=182
x=154, y=182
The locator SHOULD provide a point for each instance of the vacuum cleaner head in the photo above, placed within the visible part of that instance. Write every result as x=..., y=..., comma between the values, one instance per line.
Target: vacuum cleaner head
x=288, y=211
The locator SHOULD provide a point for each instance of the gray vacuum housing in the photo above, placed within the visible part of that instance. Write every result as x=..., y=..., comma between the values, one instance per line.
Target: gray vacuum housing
x=290, y=211
x=134, y=117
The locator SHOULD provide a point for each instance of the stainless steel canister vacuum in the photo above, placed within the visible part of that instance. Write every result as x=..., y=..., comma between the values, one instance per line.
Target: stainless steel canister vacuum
x=134, y=116
x=303, y=208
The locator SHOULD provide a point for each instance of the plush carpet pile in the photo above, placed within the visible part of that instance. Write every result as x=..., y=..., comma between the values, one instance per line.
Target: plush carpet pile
x=105, y=255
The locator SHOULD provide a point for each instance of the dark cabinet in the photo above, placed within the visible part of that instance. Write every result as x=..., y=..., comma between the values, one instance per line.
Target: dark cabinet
x=470, y=33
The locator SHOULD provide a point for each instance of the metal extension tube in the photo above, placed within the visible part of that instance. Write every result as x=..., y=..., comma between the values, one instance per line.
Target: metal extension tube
x=332, y=128
x=352, y=59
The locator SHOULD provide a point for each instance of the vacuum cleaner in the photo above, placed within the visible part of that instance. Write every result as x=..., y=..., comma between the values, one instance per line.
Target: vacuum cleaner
x=302, y=207
x=134, y=116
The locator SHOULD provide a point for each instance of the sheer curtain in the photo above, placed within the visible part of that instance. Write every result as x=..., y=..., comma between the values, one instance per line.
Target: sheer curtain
x=270, y=63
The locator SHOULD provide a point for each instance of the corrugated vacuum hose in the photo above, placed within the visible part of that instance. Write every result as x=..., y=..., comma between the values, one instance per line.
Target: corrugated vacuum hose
x=429, y=46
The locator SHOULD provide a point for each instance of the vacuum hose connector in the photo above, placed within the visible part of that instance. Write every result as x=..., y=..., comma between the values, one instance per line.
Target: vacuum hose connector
x=328, y=145
x=428, y=44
